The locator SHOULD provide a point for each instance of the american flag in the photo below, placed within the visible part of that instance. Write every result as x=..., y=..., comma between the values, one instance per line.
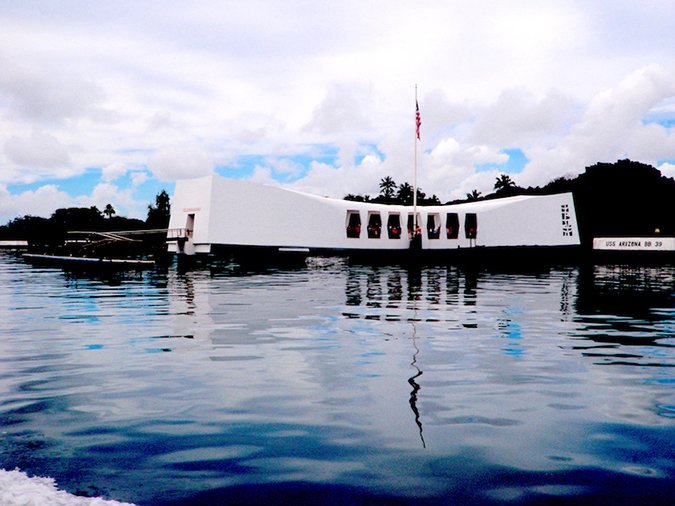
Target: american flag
x=418, y=120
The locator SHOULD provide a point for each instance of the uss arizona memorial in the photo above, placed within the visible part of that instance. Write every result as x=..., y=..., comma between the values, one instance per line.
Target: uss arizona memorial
x=213, y=213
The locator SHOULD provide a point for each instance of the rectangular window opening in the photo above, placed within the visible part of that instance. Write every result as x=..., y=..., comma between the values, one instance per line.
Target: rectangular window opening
x=433, y=226
x=471, y=225
x=394, y=226
x=353, y=224
x=374, y=225
x=452, y=226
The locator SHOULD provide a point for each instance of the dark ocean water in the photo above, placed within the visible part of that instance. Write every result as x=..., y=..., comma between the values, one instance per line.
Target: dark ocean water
x=342, y=384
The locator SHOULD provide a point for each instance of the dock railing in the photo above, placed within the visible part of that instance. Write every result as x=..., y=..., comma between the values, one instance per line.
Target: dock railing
x=177, y=234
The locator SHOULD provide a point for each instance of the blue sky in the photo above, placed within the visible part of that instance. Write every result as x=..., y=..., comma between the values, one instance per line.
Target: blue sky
x=111, y=102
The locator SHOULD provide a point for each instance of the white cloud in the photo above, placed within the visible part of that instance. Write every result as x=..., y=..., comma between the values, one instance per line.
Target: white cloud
x=180, y=162
x=327, y=180
x=611, y=128
x=481, y=181
x=38, y=151
x=517, y=118
x=113, y=171
x=345, y=108
x=165, y=120
x=450, y=153
x=41, y=202
x=139, y=177
x=41, y=91
x=106, y=193
x=91, y=86
x=283, y=166
x=652, y=142
x=667, y=169
x=449, y=164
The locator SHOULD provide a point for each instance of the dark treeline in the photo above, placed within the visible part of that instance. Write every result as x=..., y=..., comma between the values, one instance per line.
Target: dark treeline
x=620, y=199
x=48, y=233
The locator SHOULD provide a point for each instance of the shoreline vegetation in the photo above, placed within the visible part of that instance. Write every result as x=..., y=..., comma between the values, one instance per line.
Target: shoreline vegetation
x=620, y=199
x=88, y=231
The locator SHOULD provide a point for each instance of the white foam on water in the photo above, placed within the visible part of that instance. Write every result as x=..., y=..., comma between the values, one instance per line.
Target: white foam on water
x=18, y=489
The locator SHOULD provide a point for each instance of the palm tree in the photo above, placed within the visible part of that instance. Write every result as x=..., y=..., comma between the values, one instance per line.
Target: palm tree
x=109, y=211
x=474, y=195
x=388, y=187
x=504, y=182
x=433, y=200
x=405, y=193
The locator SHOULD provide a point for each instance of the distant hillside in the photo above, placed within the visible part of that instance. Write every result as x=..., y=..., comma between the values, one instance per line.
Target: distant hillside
x=621, y=199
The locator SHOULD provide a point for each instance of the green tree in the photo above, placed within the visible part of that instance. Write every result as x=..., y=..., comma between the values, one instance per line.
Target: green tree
x=109, y=211
x=504, y=183
x=78, y=218
x=39, y=232
x=404, y=196
x=405, y=193
x=160, y=213
x=388, y=187
x=357, y=198
x=474, y=195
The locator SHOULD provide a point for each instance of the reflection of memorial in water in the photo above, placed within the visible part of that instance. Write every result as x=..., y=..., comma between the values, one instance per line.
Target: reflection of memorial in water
x=628, y=291
x=411, y=297
x=581, y=319
x=625, y=328
x=635, y=303
x=391, y=294
x=373, y=344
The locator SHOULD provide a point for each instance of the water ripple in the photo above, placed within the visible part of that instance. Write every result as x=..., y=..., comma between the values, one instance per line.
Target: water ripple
x=379, y=383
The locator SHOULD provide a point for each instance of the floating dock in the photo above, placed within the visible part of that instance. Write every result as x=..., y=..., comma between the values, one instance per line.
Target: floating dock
x=89, y=262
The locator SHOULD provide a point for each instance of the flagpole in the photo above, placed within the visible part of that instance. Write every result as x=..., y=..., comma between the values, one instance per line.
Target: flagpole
x=417, y=134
